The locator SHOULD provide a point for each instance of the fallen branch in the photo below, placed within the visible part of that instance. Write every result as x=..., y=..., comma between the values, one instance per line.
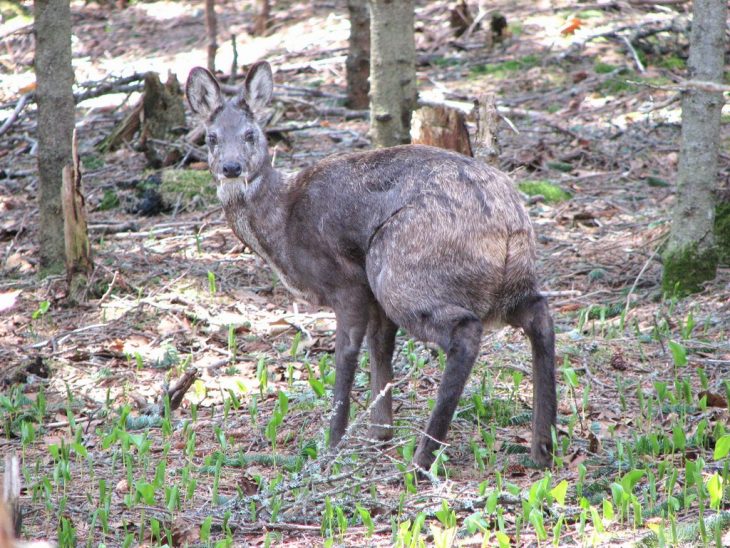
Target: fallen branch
x=58, y=341
x=686, y=85
x=103, y=87
x=16, y=112
x=643, y=30
x=637, y=60
x=120, y=85
x=114, y=228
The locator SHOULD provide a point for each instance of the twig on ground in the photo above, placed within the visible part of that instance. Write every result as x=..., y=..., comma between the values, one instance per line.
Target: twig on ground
x=10, y=120
x=637, y=60
x=108, y=291
x=564, y=293
x=638, y=277
x=57, y=341
x=686, y=85
x=114, y=228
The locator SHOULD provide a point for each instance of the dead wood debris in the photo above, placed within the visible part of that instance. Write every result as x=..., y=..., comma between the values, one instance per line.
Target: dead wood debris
x=174, y=393
x=157, y=117
x=20, y=373
x=486, y=145
x=441, y=126
x=77, y=248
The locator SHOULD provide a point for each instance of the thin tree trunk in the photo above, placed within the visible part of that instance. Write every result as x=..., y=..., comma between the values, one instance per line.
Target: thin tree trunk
x=54, y=97
x=211, y=29
x=392, y=71
x=261, y=21
x=358, y=56
x=691, y=255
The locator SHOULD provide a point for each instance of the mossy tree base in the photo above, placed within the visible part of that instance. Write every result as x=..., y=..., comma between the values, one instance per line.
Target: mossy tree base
x=722, y=232
x=687, y=268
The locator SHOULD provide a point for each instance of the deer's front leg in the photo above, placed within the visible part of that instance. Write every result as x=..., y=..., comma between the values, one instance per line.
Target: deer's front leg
x=352, y=322
x=381, y=343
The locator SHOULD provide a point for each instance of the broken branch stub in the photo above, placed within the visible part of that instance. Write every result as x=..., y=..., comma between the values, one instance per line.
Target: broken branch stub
x=486, y=144
x=76, y=237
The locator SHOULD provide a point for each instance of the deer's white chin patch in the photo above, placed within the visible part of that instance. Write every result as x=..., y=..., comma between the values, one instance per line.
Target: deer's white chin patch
x=230, y=189
x=223, y=181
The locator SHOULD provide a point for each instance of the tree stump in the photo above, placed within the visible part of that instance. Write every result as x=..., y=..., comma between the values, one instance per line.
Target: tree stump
x=163, y=116
x=460, y=18
x=76, y=236
x=158, y=117
x=442, y=127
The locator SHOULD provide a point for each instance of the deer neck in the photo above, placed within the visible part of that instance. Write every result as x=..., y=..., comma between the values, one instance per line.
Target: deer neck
x=255, y=210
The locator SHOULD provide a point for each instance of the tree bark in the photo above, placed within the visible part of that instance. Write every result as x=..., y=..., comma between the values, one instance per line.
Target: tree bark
x=358, y=56
x=211, y=29
x=54, y=97
x=691, y=254
x=392, y=71
x=261, y=19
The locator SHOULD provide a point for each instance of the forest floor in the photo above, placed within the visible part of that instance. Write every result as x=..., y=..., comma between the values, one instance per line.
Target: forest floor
x=643, y=375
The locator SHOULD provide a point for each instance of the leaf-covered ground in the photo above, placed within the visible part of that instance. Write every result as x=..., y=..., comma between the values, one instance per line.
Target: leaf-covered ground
x=592, y=141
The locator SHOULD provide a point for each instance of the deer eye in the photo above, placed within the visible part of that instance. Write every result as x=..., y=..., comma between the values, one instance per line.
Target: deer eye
x=249, y=136
x=212, y=139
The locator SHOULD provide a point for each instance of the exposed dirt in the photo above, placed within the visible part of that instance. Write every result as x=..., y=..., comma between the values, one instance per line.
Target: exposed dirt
x=177, y=290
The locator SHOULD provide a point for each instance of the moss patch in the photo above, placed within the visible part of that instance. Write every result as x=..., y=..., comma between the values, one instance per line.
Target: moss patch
x=603, y=68
x=619, y=83
x=722, y=231
x=672, y=62
x=552, y=193
x=504, y=69
x=191, y=188
x=686, y=268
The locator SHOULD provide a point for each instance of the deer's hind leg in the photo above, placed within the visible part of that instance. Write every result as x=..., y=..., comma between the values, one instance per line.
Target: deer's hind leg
x=533, y=316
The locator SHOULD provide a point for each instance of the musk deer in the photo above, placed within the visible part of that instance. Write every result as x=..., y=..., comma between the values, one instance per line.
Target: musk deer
x=409, y=236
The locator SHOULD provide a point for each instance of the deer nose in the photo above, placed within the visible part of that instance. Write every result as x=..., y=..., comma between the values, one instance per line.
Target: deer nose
x=232, y=169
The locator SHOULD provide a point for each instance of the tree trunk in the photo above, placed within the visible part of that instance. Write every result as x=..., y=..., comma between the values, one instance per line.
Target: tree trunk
x=392, y=70
x=54, y=97
x=261, y=20
x=211, y=29
x=358, y=56
x=691, y=255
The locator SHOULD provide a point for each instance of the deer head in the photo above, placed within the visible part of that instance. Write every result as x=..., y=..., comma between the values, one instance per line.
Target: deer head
x=237, y=148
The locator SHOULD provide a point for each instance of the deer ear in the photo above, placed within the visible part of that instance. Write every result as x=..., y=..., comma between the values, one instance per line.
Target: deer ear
x=259, y=86
x=203, y=91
